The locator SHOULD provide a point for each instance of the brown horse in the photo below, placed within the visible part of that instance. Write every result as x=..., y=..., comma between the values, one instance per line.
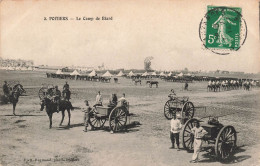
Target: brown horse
x=51, y=107
x=138, y=81
x=13, y=97
x=151, y=83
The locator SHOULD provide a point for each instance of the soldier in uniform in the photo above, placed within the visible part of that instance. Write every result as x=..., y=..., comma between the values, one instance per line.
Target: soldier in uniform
x=56, y=97
x=99, y=100
x=186, y=86
x=86, y=115
x=66, y=86
x=66, y=90
x=6, y=89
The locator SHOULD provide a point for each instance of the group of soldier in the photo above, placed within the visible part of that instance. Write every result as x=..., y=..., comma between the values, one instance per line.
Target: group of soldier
x=55, y=95
x=229, y=84
x=197, y=131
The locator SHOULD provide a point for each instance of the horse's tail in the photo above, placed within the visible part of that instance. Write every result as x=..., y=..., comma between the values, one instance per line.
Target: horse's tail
x=70, y=106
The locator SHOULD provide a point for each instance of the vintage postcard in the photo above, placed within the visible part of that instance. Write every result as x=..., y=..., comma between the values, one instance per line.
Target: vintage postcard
x=132, y=83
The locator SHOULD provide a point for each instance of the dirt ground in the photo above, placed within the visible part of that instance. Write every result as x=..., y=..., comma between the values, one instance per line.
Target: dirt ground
x=27, y=140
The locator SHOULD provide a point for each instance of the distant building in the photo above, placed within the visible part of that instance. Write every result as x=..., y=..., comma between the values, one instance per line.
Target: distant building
x=16, y=63
x=237, y=72
x=224, y=72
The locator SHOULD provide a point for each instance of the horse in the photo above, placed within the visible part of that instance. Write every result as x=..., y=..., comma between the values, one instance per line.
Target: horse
x=104, y=79
x=247, y=86
x=51, y=107
x=209, y=87
x=116, y=80
x=151, y=83
x=13, y=97
x=217, y=87
x=138, y=81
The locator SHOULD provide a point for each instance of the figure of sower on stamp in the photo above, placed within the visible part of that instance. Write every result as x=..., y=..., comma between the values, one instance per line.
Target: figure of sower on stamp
x=220, y=24
x=223, y=29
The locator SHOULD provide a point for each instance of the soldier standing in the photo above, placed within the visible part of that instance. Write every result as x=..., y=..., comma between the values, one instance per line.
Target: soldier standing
x=186, y=86
x=198, y=133
x=86, y=115
x=175, y=131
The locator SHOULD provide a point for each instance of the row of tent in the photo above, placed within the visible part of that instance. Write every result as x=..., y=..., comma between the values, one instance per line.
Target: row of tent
x=108, y=74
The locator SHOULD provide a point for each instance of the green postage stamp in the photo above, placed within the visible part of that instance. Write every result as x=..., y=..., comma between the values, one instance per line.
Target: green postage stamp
x=224, y=29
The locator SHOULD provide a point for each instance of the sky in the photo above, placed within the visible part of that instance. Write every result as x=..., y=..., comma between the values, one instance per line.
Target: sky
x=168, y=30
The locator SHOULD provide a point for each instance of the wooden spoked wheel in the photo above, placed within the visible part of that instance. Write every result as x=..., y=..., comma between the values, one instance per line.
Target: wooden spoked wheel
x=96, y=122
x=42, y=93
x=187, y=136
x=188, y=110
x=118, y=119
x=225, y=142
x=169, y=109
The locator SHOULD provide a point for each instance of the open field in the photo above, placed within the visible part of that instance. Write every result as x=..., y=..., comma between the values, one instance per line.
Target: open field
x=27, y=135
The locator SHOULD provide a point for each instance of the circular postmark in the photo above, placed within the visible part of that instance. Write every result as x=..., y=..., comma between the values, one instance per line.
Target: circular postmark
x=223, y=30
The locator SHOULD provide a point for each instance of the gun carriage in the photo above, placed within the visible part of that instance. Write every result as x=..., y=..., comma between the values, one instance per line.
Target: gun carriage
x=180, y=105
x=116, y=116
x=223, y=138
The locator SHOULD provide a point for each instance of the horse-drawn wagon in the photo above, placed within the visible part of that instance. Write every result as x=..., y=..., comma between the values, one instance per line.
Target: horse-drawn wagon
x=117, y=117
x=223, y=138
x=180, y=105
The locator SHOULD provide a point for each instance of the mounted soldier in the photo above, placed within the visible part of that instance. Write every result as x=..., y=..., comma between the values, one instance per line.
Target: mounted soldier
x=6, y=89
x=11, y=94
x=209, y=83
x=66, y=91
x=55, y=96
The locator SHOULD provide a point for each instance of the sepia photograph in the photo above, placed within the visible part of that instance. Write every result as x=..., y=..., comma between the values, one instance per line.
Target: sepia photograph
x=129, y=83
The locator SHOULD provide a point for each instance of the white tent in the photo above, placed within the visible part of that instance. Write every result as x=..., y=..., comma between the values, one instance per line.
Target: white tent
x=93, y=73
x=131, y=73
x=11, y=68
x=180, y=75
x=23, y=68
x=188, y=74
x=17, y=68
x=75, y=73
x=162, y=74
x=30, y=68
x=170, y=74
x=107, y=74
x=154, y=74
x=145, y=74
x=120, y=74
x=59, y=72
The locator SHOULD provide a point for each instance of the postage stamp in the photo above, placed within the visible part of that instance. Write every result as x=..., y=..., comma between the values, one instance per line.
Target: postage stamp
x=223, y=29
